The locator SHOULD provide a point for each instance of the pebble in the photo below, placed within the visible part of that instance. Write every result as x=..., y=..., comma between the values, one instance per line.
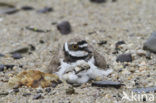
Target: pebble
x=9, y=66
x=107, y=84
x=4, y=93
x=41, y=41
x=39, y=91
x=16, y=90
x=54, y=23
x=114, y=0
x=148, y=55
x=17, y=56
x=64, y=27
x=1, y=55
x=36, y=29
x=144, y=90
x=45, y=10
x=7, y=8
x=32, y=47
x=48, y=90
x=119, y=43
x=150, y=43
x=98, y=1
x=102, y=43
x=54, y=84
x=26, y=94
x=27, y=8
x=2, y=67
x=124, y=58
x=70, y=90
x=9, y=11
x=21, y=50
x=37, y=96
x=141, y=53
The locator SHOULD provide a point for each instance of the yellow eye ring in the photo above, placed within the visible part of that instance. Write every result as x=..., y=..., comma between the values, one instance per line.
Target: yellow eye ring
x=75, y=47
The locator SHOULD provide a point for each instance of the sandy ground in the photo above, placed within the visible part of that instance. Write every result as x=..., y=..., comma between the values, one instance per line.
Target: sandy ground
x=129, y=20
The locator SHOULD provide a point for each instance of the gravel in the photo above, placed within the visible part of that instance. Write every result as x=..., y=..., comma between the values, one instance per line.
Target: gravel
x=150, y=44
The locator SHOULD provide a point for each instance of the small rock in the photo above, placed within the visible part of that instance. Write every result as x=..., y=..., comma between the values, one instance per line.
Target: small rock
x=150, y=43
x=98, y=1
x=102, y=43
x=54, y=23
x=144, y=90
x=141, y=52
x=36, y=29
x=9, y=11
x=54, y=84
x=48, y=90
x=64, y=27
x=7, y=8
x=93, y=32
x=17, y=56
x=41, y=41
x=16, y=90
x=114, y=0
x=148, y=55
x=107, y=84
x=2, y=67
x=124, y=58
x=26, y=94
x=27, y=8
x=39, y=91
x=118, y=44
x=70, y=90
x=1, y=55
x=38, y=96
x=45, y=10
x=4, y=93
x=20, y=66
x=21, y=50
x=9, y=66
x=32, y=47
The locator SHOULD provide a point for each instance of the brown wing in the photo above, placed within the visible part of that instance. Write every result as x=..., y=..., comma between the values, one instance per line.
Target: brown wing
x=55, y=61
x=100, y=60
x=53, y=65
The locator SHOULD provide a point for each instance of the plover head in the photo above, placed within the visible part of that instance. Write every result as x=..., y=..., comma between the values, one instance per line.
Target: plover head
x=76, y=49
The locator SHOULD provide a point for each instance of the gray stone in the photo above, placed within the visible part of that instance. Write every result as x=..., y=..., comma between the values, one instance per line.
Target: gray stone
x=64, y=27
x=37, y=96
x=107, y=84
x=98, y=1
x=26, y=94
x=48, y=90
x=124, y=58
x=150, y=44
x=17, y=56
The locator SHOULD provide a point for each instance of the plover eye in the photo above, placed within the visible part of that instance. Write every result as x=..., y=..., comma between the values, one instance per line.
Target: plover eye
x=75, y=47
